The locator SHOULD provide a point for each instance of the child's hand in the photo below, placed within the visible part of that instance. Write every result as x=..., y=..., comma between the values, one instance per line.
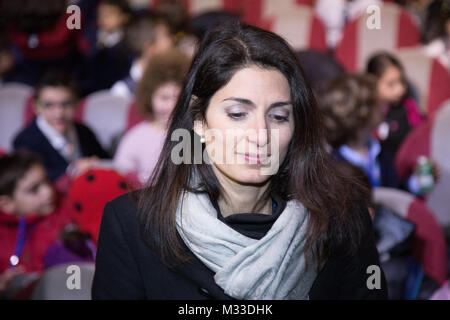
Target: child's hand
x=436, y=171
x=7, y=277
x=83, y=164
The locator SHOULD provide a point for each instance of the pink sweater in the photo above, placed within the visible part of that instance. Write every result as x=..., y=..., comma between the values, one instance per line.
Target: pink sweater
x=139, y=150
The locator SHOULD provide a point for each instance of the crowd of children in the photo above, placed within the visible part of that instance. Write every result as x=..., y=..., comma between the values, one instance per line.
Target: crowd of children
x=52, y=189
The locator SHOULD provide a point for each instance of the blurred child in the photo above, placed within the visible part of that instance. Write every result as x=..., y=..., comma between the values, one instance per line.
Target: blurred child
x=402, y=113
x=157, y=95
x=147, y=36
x=41, y=39
x=396, y=242
x=437, y=32
x=87, y=197
x=112, y=59
x=63, y=144
x=351, y=112
x=6, y=58
x=31, y=216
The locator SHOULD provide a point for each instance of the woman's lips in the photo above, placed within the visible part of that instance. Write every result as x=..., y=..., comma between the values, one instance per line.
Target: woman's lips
x=255, y=159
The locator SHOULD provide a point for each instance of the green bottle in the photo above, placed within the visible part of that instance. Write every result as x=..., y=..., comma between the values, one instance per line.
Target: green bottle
x=424, y=174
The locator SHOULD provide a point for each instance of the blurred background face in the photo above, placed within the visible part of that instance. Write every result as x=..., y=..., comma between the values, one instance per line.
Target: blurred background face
x=110, y=18
x=391, y=86
x=163, y=41
x=254, y=99
x=163, y=101
x=57, y=106
x=33, y=193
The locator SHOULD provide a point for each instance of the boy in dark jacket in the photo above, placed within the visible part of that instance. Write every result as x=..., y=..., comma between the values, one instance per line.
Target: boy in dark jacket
x=63, y=144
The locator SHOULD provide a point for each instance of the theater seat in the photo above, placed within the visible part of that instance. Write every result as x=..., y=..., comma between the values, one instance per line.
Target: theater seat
x=358, y=42
x=296, y=23
x=56, y=282
x=428, y=76
x=134, y=116
x=431, y=139
x=106, y=114
x=295, y=20
x=429, y=241
x=14, y=105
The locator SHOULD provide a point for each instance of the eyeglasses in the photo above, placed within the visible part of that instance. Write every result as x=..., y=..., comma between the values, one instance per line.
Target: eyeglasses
x=53, y=105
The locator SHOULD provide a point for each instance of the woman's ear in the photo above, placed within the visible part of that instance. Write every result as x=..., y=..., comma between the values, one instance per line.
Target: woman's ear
x=199, y=127
x=199, y=122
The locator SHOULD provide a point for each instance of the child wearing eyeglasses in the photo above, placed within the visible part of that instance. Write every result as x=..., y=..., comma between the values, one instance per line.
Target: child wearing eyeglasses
x=63, y=144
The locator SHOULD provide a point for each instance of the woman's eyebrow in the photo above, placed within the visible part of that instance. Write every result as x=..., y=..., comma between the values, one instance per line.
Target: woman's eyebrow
x=240, y=100
x=250, y=103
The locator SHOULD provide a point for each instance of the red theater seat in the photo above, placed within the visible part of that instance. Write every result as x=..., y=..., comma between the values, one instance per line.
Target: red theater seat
x=429, y=241
x=358, y=43
x=431, y=139
x=106, y=114
x=428, y=76
x=15, y=109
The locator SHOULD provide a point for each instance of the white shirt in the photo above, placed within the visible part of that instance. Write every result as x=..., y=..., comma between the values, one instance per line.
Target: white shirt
x=109, y=39
x=121, y=89
x=438, y=49
x=67, y=145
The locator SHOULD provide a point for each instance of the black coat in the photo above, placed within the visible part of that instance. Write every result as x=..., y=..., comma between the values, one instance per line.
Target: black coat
x=128, y=269
x=32, y=139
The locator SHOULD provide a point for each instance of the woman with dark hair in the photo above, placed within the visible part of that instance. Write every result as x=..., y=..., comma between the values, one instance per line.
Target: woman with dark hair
x=272, y=221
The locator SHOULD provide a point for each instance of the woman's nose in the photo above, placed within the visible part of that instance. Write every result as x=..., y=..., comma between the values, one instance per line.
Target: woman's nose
x=258, y=133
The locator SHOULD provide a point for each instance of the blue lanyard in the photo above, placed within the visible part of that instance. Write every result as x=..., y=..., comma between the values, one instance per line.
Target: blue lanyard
x=20, y=242
x=371, y=172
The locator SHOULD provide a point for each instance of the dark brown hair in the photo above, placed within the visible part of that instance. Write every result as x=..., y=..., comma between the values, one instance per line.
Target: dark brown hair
x=13, y=167
x=347, y=103
x=379, y=62
x=307, y=173
x=171, y=66
x=122, y=5
x=360, y=180
x=56, y=78
x=142, y=31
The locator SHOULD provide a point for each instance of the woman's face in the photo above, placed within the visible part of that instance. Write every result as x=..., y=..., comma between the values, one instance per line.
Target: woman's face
x=249, y=124
x=391, y=86
x=163, y=101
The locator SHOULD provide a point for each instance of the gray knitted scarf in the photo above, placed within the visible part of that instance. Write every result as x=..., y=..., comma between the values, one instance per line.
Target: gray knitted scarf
x=245, y=268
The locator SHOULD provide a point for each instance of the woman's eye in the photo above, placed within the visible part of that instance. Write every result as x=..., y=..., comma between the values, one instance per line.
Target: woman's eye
x=237, y=115
x=279, y=118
